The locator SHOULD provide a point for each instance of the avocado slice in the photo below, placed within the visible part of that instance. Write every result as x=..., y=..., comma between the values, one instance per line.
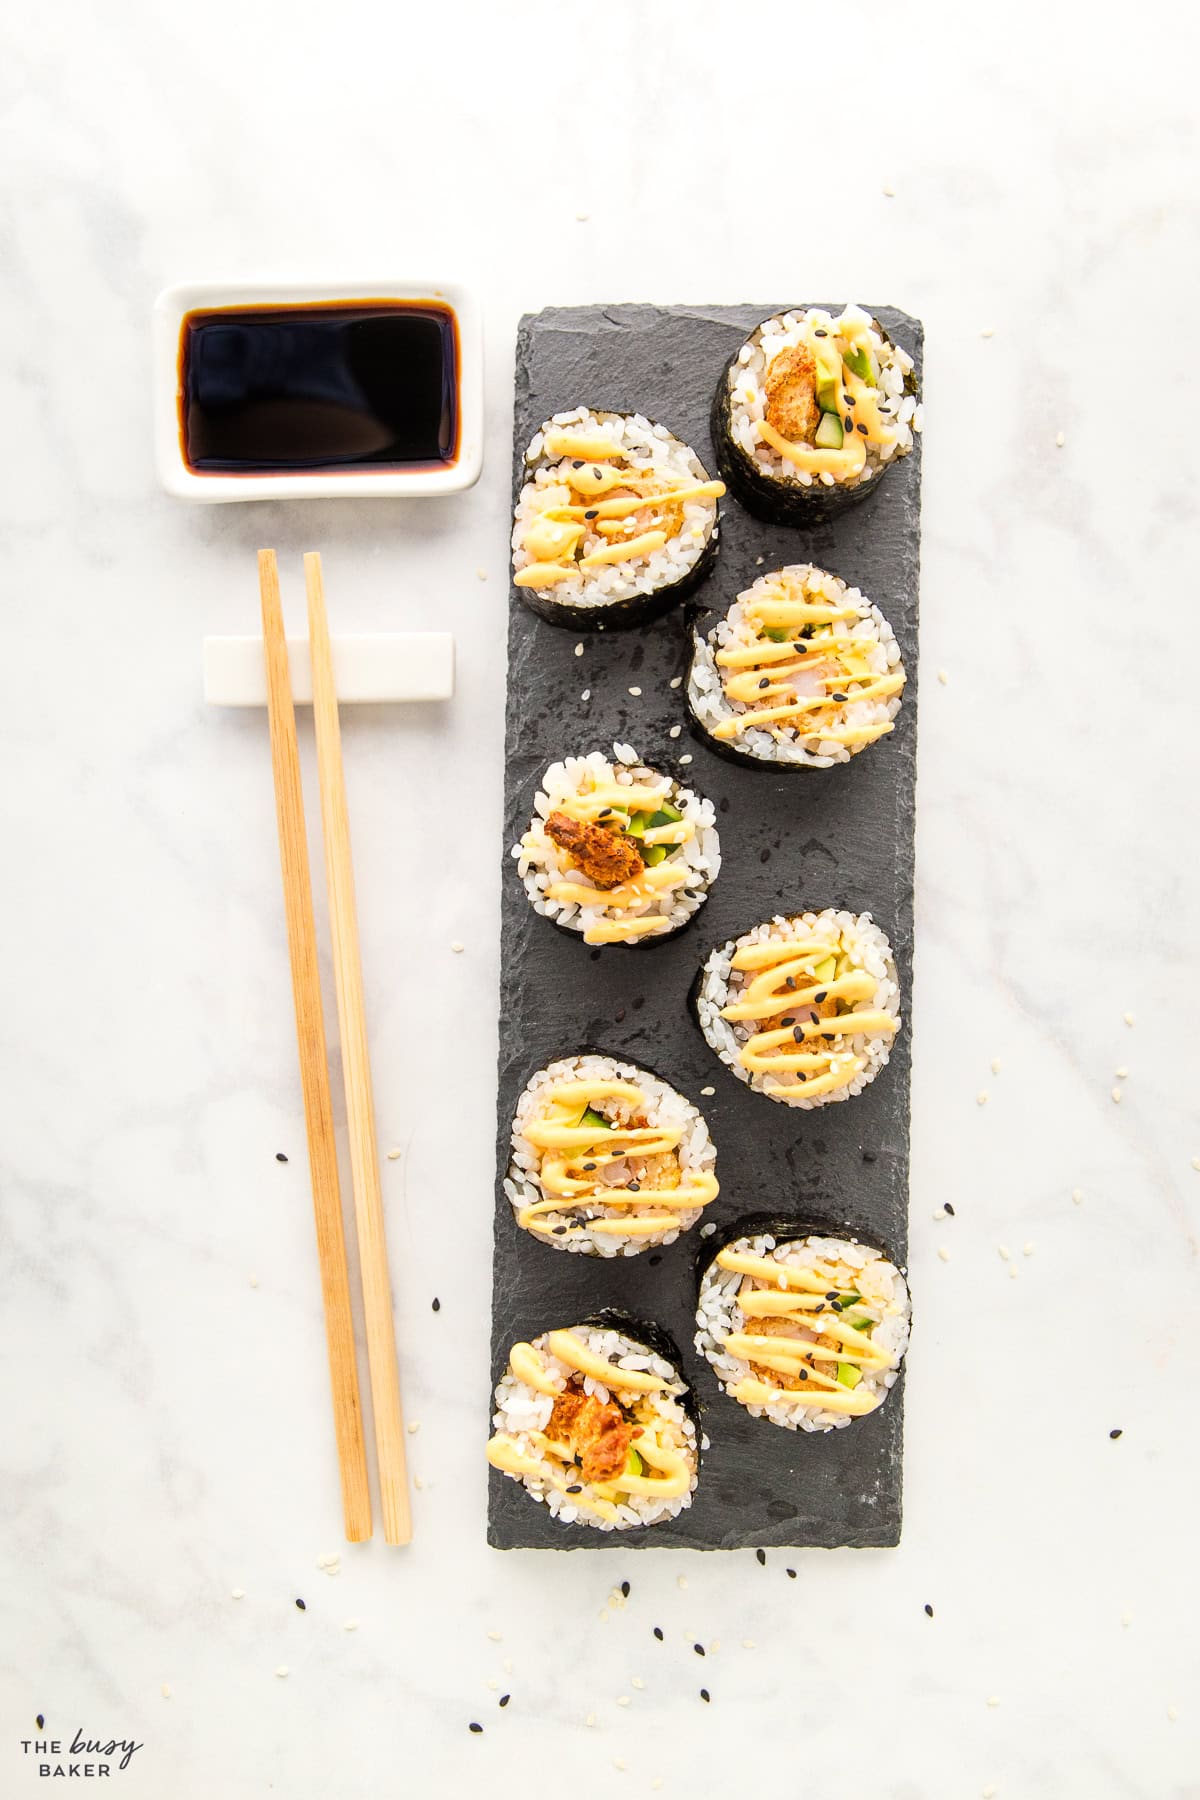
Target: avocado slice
x=638, y=823
x=655, y=853
x=666, y=815
x=633, y=1463
x=596, y=1120
x=777, y=634
x=860, y=362
x=829, y=433
x=826, y=969
x=829, y=380
x=848, y=1375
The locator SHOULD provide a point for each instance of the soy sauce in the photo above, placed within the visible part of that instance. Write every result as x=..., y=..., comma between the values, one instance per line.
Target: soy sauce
x=340, y=385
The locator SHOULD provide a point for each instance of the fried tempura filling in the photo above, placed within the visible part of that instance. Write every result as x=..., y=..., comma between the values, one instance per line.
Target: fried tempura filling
x=606, y=857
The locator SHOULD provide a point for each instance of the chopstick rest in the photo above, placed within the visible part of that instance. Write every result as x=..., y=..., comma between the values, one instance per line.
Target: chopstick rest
x=384, y=666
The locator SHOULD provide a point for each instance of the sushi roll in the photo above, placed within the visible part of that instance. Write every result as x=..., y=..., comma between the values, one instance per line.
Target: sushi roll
x=617, y=851
x=616, y=522
x=807, y=1331
x=812, y=411
x=607, y=1159
x=802, y=1009
x=802, y=672
x=595, y=1422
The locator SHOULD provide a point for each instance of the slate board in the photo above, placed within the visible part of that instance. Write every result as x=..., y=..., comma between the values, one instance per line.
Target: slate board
x=815, y=838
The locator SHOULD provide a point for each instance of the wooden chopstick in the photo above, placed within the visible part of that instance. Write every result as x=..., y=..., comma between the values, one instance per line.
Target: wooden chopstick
x=356, y=1071
x=314, y=1068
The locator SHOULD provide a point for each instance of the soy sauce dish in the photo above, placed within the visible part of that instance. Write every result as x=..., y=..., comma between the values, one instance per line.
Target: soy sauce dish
x=299, y=390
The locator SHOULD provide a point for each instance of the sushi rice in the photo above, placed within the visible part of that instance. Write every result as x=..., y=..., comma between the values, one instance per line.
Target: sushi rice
x=825, y=1362
x=603, y=792
x=822, y=1000
x=603, y=1156
x=613, y=1370
x=802, y=670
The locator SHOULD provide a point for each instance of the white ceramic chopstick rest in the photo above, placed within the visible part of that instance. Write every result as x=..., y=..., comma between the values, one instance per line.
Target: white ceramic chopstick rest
x=400, y=665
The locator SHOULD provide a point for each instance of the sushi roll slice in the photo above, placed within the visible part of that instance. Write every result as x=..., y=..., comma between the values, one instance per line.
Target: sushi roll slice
x=595, y=1422
x=802, y=1009
x=802, y=672
x=607, y=1159
x=807, y=1331
x=616, y=522
x=617, y=851
x=812, y=411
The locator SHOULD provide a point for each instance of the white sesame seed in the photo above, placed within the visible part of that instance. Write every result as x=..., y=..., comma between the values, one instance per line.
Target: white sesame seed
x=1077, y=1193
x=1060, y=439
x=1116, y=1096
x=995, y=1065
x=1121, y=1074
x=981, y=1098
x=943, y=1253
x=579, y=649
x=682, y=1581
x=622, y=1699
x=1172, y=1714
x=283, y=1671
x=1004, y=1251
x=636, y=1681
x=254, y=1281
x=493, y=1684
x=237, y=1594
x=506, y=1665
x=889, y=190
x=583, y=217
x=591, y=1719
x=943, y=677
x=482, y=574
x=677, y=681
x=1196, y=1162
x=413, y=1425
x=495, y=1637
x=989, y=1793
x=748, y=1644
x=618, y=1764
x=586, y=694
x=418, y=1483
x=1127, y=1619
x=1128, y=1018
x=457, y=947
x=759, y=561
x=988, y=331
x=166, y=1690
x=1012, y=1271
x=602, y=1615
x=393, y=1155
x=676, y=730
x=657, y=1782
x=636, y=692
x=1026, y=1249
x=993, y=1699
x=708, y=1090
x=685, y=759
x=349, y=1624
x=939, y=1214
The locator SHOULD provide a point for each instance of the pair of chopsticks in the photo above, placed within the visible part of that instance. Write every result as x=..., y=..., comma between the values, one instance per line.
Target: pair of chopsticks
x=314, y=1066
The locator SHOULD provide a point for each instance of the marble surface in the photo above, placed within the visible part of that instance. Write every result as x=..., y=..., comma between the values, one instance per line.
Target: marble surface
x=167, y=1438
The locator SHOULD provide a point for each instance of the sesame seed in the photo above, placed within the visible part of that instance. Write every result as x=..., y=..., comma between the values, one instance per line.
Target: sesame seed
x=676, y=731
x=504, y=1699
x=765, y=682
x=995, y=1065
x=1128, y=1018
x=283, y=1672
x=981, y=1098
x=636, y=1681
x=437, y=1305
x=586, y=694
x=457, y=947
x=699, y=1649
x=583, y=218
x=685, y=759
x=943, y=1253
x=1116, y=1096
x=928, y=1610
x=253, y=1279
x=1026, y=1249
x=481, y=574
x=591, y=1719
x=238, y=1594
x=393, y=1155
x=993, y=1699
x=681, y=1581
x=791, y=1574
x=579, y=649
x=495, y=1637
x=889, y=190
x=761, y=1555
x=1196, y=1162
x=349, y=1624
x=279, y=1156
x=418, y=1483
x=413, y=1426
x=1127, y=1619
x=949, y=1209
x=1121, y=1074
x=658, y=1633
x=476, y=1728
x=1012, y=1271
x=636, y=692
x=623, y=1700
x=1172, y=1714
x=1004, y=1251
x=988, y=331
x=41, y=1721
x=989, y=1793
x=1060, y=439
x=625, y=1589
x=939, y=1214
x=300, y=1606
x=1077, y=1193
x=1115, y=1432
x=677, y=681
x=166, y=1690
x=705, y=1695
x=943, y=677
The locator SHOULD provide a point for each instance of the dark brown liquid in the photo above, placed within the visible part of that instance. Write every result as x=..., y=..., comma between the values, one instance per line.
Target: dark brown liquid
x=360, y=384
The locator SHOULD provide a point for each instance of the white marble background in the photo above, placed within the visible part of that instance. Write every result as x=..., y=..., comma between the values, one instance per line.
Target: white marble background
x=166, y=1432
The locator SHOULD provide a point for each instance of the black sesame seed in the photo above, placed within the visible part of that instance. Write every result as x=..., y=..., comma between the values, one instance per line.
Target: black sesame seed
x=804, y=1374
x=635, y=1187
x=658, y=1633
x=849, y=423
x=723, y=806
x=625, y=1589
x=300, y=1606
x=849, y=398
x=839, y=697
x=639, y=1003
x=765, y=682
x=821, y=995
x=791, y=1574
x=504, y=1699
x=591, y=514
x=588, y=1167
x=832, y=1296
x=41, y=1721
x=948, y=1208
x=598, y=473
x=474, y=1727
x=704, y=1694
x=654, y=1261
x=605, y=813
x=863, y=429
x=574, y=1490
x=577, y=465
x=618, y=1016
x=761, y=1555
x=559, y=1230
x=595, y=956
x=790, y=983
x=868, y=1156
x=798, y=1033
x=699, y=1649
x=928, y=1610
x=279, y=1156
x=764, y=855
x=437, y=1305
x=800, y=649
x=790, y=1020
x=1115, y=1433
x=820, y=334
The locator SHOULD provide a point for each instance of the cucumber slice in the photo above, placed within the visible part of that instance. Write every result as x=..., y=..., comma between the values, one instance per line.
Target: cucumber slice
x=596, y=1120
x=860, y=362
x=633, y=1463
x=654, y=854
x=849, y=1375
x=666, y=815
x=777, y=634
x=826, y=969
x=829, y=433
x=859, y=1323
x=638, y=823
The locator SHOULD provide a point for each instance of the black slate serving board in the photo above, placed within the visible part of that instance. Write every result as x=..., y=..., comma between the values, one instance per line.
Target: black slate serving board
x=811, y=838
